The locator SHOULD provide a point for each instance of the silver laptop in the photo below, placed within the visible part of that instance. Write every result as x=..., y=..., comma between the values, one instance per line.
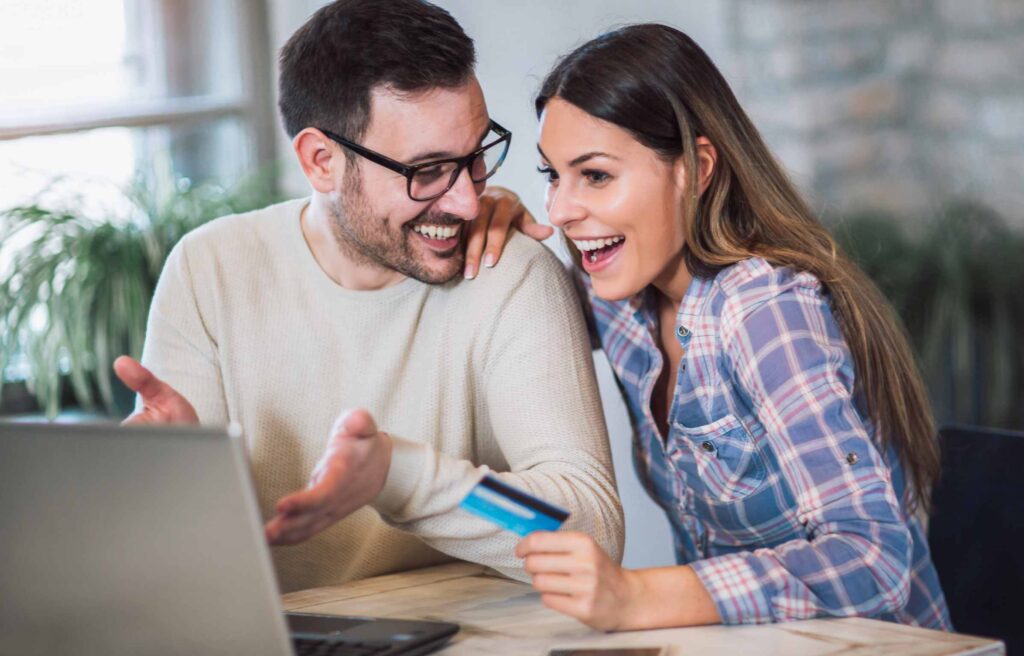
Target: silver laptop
x=149, y=541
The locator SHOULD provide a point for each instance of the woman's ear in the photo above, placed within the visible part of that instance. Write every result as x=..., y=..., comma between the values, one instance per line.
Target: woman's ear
x=707, y=158
x=320, y=162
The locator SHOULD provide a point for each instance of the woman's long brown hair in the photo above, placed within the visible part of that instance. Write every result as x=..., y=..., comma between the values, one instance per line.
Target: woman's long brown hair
x=656, y=83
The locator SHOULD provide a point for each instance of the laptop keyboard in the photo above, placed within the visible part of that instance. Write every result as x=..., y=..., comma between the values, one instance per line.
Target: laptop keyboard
x=315, y=647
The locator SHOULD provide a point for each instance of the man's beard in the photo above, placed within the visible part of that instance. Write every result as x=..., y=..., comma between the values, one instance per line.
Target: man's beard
x=372, y=240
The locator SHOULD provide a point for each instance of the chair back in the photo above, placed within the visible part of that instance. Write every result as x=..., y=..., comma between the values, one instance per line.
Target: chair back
x=976, y=532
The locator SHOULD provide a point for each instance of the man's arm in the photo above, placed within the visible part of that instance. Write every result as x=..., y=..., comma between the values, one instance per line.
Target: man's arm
x=545, y=414
x=180, y=351
x=538, y=386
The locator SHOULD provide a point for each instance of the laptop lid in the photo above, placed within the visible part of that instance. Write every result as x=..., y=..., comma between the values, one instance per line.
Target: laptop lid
x=132, y=540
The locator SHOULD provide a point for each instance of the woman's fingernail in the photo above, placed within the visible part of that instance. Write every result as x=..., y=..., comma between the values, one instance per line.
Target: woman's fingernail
x=470, y=272
x=489, y=260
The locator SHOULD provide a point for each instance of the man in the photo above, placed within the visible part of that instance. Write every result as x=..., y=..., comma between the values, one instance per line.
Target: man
x=279, y=318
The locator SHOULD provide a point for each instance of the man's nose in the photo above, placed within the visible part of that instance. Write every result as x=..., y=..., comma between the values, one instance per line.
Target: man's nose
x=463, y=199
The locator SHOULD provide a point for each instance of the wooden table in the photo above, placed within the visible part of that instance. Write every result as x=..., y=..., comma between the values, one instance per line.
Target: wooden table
x=501, y=616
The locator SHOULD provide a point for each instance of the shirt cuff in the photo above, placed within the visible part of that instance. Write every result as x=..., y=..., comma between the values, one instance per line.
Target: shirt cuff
x=408, y=461
x=735, y=588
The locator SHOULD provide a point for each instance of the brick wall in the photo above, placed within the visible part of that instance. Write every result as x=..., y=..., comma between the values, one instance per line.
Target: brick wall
x=889, y=104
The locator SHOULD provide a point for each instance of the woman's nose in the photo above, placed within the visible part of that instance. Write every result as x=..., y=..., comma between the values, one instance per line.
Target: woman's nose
x=563, y=208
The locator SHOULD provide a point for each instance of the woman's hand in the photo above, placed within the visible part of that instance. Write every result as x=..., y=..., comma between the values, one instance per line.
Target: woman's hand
x=576, y=577
x=500, y=213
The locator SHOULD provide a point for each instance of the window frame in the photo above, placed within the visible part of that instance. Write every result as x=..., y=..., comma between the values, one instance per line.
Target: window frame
x=253, y=106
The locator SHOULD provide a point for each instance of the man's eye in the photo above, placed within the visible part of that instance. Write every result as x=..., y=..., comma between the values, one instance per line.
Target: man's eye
x=430, y=174
x=548, y=173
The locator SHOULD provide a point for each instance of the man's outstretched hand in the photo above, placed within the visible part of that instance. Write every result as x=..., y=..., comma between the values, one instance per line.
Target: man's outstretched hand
x=161, y=403
x=350, y=474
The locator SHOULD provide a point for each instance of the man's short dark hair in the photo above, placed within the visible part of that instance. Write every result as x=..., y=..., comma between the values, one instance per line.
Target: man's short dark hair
x=349, y=47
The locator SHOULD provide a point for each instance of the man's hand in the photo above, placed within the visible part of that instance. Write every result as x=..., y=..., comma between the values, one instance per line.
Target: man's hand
x=161, y=403
x=500, y=213
x=350, y=474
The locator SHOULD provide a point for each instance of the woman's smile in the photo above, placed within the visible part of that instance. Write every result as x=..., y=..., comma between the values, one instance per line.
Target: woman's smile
x=599, y=253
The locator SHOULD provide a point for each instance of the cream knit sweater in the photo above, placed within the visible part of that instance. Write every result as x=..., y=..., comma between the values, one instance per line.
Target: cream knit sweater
x=494, y=373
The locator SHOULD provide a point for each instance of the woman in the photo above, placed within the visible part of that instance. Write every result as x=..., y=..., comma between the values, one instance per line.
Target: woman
x=780, y=420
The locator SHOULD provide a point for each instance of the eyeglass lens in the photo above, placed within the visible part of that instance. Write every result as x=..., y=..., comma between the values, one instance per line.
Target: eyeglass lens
x=433, y=181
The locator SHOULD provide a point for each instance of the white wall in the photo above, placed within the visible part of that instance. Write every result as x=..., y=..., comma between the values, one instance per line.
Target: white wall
x=517, y=43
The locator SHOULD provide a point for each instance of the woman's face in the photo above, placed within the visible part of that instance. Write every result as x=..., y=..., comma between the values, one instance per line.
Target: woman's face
x=614, y=198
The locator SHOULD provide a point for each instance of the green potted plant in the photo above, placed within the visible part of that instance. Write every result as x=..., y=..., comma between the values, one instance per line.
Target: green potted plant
x=75, y=288
x=957, y=282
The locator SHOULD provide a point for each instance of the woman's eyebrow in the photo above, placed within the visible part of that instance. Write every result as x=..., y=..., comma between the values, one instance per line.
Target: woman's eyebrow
x=591, y=155
x=582, y=158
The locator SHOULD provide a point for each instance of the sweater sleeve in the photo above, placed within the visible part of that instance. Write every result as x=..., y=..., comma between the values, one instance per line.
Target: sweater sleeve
x=545, y=413
x=180, y=348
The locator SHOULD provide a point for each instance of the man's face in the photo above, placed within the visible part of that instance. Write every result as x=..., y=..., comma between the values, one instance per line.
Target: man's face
x=373, y=213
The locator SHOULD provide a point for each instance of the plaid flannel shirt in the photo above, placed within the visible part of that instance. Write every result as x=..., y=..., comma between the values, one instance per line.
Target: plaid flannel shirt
x=779, y=496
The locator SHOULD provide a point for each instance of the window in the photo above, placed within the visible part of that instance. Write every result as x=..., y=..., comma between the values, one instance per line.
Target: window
x=96, y=95
x=102, y=91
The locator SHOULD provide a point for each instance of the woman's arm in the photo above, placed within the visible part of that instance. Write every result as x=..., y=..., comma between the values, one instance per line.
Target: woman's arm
x=576, y=577
x=790, y=365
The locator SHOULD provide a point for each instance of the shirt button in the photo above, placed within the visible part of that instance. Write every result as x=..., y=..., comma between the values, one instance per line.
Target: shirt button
x=852, y=458
x=682, y=331
x=707, y=446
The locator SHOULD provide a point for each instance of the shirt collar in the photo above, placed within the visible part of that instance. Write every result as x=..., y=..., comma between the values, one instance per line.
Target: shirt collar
x=642, y=306
x=696, y=297
x=643, y=310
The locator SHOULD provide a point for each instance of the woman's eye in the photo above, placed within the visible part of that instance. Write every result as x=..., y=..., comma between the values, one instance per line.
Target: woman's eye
x=595, y=176
x=549, y=173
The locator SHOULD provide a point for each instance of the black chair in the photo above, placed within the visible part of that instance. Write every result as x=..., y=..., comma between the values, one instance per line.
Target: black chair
x=976, y=532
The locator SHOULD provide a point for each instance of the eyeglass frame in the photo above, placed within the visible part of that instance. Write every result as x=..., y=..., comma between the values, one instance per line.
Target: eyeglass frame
x=409, y=170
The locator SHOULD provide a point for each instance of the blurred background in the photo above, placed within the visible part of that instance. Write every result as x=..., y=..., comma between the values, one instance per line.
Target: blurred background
x=125, y=123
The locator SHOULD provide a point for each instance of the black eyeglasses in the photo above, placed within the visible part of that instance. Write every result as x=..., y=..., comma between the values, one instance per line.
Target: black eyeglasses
x=431, y=180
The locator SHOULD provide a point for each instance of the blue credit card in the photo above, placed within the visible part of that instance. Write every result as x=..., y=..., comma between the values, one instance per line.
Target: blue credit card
x=512, y=509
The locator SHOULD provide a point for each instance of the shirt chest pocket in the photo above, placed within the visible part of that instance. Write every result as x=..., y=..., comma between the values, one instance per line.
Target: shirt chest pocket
x=725, y=456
